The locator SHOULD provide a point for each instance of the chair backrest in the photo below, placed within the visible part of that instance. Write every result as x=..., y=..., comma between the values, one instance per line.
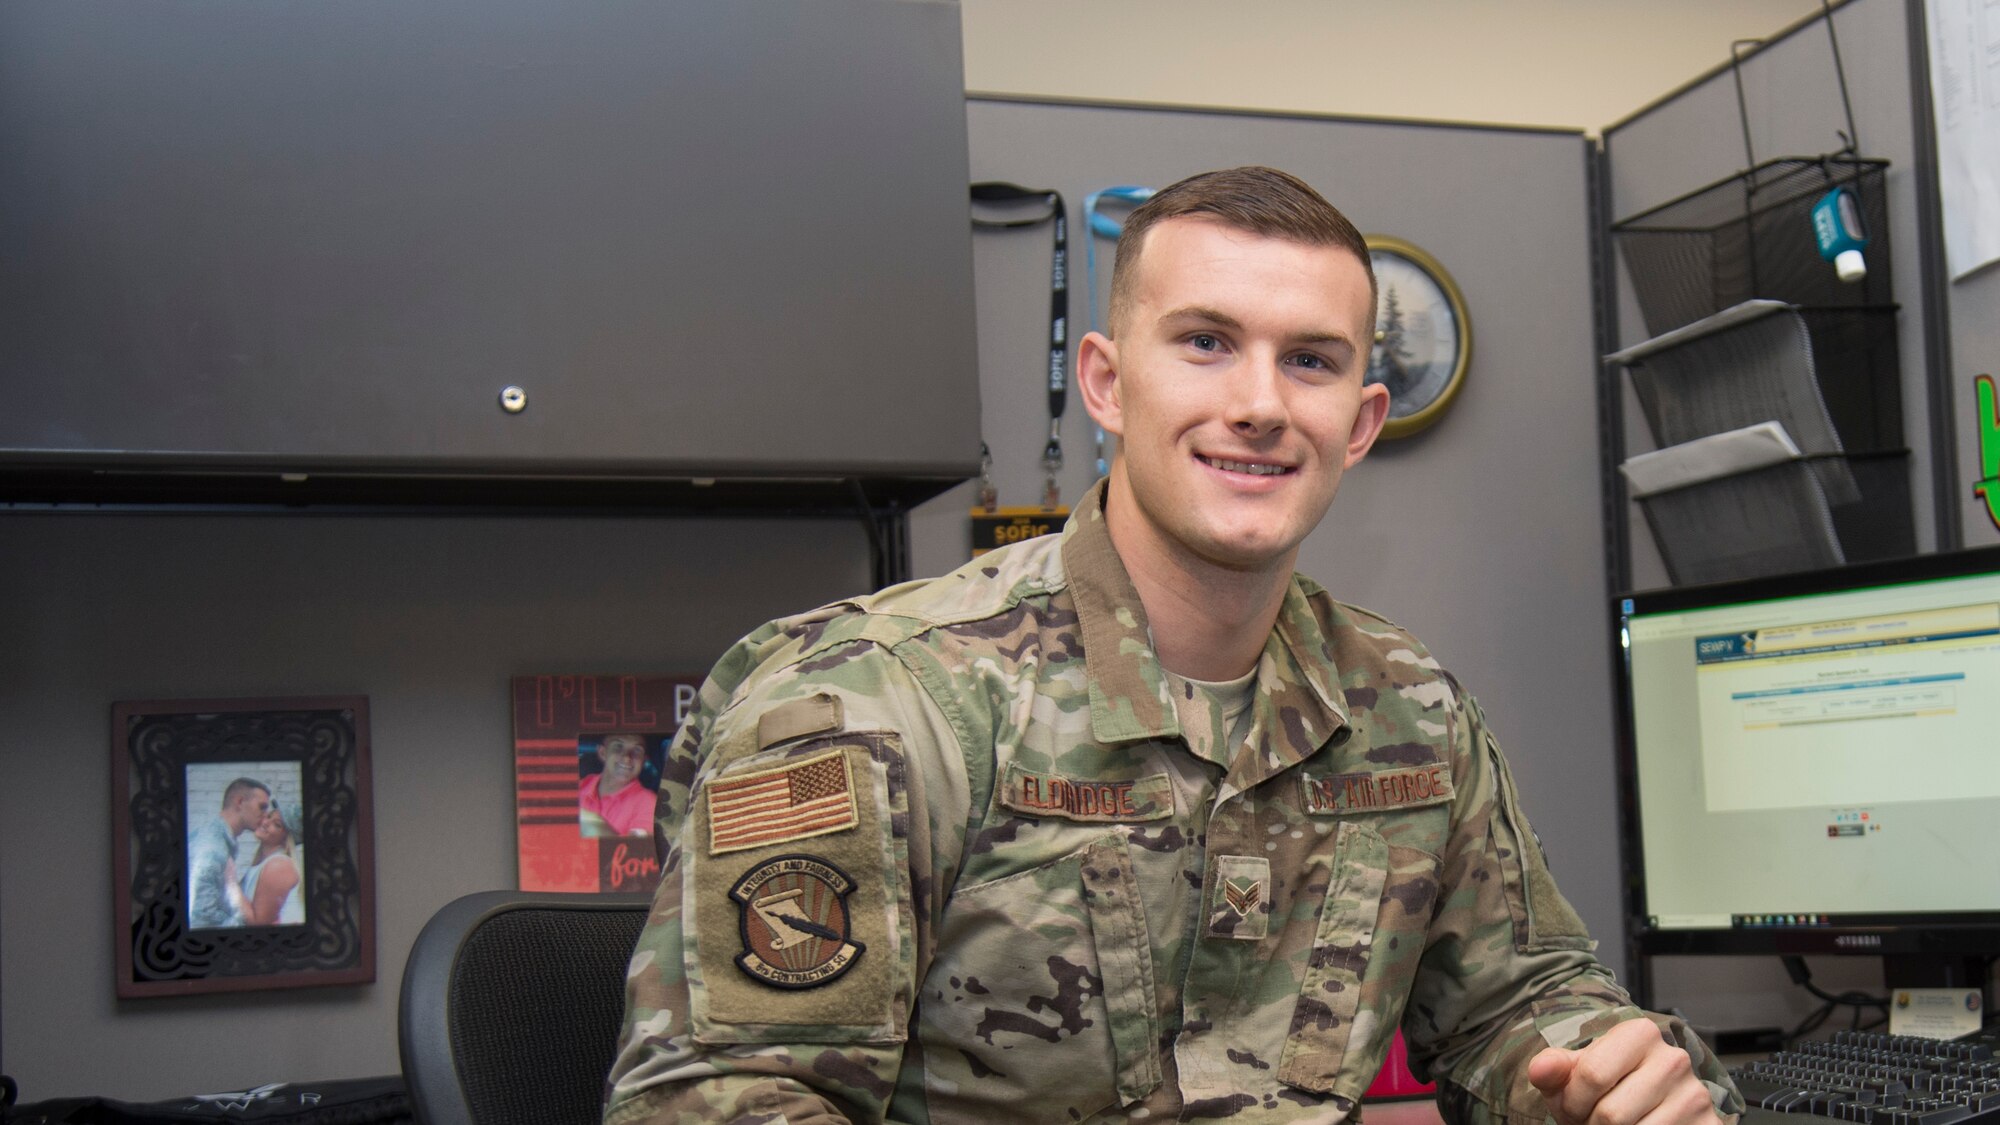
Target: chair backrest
x=511, y=1006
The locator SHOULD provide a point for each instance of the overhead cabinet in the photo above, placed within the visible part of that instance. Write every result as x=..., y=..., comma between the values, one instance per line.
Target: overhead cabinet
x=502, y=240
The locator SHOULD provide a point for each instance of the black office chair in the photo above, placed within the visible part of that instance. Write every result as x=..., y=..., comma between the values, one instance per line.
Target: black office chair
x=511, y=1005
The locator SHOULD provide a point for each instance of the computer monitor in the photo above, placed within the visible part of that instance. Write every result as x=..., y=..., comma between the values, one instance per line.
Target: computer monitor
x=1811, y=764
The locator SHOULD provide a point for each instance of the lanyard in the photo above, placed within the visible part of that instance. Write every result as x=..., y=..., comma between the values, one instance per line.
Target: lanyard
x=998, y=193
x=1104, y=226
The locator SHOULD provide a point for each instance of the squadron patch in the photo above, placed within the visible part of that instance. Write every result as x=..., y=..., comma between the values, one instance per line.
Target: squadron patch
x=794, y=922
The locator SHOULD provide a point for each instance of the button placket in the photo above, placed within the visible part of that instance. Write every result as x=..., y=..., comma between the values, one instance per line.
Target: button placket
x=1207, y=983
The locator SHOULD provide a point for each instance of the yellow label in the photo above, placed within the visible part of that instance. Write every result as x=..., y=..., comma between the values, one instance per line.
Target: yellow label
x=1011, y=525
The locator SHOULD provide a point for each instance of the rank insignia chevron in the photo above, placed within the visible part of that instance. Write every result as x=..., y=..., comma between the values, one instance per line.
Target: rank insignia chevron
x=1242, y=894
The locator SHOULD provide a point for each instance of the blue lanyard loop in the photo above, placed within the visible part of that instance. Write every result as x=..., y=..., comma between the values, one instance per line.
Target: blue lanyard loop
x=1104, y=226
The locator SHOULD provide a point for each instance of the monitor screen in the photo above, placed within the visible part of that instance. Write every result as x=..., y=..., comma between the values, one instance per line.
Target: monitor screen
x=1812, y=763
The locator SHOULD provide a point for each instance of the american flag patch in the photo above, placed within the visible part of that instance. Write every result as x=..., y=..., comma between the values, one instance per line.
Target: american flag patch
x=807, y=798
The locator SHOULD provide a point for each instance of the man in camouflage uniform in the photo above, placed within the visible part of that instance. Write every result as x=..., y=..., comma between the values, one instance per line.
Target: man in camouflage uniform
x=1132, y=823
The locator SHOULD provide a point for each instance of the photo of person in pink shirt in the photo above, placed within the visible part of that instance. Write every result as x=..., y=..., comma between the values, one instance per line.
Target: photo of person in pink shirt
x=619, y=785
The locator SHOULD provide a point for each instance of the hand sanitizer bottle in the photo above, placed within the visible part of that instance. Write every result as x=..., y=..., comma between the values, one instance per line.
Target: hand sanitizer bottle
x=1836, y=220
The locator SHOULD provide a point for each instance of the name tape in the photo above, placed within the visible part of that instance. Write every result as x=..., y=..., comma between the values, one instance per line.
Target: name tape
x=1090, y=800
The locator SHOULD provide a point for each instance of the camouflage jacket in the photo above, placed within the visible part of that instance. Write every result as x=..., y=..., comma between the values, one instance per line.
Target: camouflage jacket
x=953, y=853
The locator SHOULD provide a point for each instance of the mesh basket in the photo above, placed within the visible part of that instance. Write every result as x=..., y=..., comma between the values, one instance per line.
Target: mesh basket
x=1828, y=374
x=1879, y=524
x=1773, y=520
x=1830, y=377
x=1855, y=359
x=1777, y=520
x=1750, y=236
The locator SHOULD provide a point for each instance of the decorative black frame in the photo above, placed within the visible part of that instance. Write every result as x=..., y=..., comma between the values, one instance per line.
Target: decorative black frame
x=152, y=743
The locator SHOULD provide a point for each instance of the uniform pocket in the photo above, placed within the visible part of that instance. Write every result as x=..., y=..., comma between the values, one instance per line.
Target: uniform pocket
x=1365, y=950
x=1042, y=994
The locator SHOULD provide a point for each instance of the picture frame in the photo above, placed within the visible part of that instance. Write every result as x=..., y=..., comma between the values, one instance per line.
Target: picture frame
x=589, y=754
x=1423, y=335
x=243, y=844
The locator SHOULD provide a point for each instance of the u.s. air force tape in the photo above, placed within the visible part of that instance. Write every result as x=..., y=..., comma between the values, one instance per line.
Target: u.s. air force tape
x=1377, y=791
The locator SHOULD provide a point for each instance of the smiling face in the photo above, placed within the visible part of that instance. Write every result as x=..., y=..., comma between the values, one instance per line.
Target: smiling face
x=1236, y=388
x=624, y=755
x=271, y=829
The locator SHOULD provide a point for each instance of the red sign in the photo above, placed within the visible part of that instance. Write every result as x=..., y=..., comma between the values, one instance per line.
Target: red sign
x=588, y=751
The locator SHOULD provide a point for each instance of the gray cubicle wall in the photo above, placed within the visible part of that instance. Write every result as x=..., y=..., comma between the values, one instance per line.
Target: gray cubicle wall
x=428, y=616
x=1695, y=138
x=1480, y=534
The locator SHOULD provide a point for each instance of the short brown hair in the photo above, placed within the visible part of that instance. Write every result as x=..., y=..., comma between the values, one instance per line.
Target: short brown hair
x=241, y=786
x=1260, y=200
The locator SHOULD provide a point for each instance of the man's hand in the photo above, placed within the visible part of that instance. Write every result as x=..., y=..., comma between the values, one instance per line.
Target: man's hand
x=233, y=891
x=1630, y=1075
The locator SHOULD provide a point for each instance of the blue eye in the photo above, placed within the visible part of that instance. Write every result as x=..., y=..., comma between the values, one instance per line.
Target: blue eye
x=1204, y=341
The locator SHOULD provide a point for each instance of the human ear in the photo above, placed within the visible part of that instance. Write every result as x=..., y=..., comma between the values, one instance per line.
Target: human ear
x=1097, y=379
x=1367, y=422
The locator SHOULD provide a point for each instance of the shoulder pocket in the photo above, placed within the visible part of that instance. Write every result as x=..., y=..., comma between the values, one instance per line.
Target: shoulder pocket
x=795, y=876
x=1543, y=919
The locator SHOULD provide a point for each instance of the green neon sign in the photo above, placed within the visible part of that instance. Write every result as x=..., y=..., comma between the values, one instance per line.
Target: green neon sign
x=1988, y=487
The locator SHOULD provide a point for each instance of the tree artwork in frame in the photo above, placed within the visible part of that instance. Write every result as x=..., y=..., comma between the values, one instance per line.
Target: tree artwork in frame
x=243, y=844
x=1423, y=335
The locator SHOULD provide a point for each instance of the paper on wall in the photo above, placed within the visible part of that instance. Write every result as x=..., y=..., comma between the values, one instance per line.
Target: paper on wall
x=1965, y=106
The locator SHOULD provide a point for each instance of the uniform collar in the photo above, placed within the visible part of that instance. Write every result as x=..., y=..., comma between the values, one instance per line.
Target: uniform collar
x=1296, y=706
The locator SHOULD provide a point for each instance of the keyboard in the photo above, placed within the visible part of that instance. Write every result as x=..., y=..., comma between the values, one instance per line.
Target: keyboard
x=1876, y=1079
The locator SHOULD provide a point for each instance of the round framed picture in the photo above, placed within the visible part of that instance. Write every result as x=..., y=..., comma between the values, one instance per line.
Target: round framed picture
x=1423, y=337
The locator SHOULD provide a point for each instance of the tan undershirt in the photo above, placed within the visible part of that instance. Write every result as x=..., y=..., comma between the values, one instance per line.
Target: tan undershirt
x=1215, y=717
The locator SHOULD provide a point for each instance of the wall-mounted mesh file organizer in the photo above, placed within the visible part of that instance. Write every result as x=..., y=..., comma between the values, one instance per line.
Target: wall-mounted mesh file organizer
x=1750, y=237
x=1752, y=326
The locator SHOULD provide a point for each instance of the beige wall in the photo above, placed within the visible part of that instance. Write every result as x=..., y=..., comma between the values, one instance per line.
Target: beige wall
x=1578, y=63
